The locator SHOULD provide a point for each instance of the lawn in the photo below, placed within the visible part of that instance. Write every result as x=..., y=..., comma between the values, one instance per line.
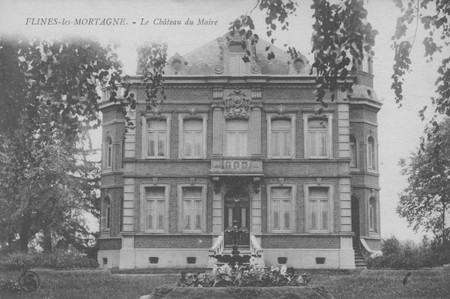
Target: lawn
x=433, y=283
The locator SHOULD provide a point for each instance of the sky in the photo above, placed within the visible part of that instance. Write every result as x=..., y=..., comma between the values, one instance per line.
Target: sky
x=399, y=128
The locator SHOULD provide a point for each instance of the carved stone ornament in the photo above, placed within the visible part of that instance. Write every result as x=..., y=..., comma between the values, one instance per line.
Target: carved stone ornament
x=281, y=113
x=237, y=105
x=192, y=114
x=154, y=114
x=219, y=67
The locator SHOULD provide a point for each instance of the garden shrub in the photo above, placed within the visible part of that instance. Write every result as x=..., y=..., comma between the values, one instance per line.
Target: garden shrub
x=409, y=256
x=58, y=260
x=251, y=275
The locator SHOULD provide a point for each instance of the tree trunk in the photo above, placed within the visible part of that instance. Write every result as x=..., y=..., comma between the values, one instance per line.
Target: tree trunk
x=47, y=241
x=25, y=231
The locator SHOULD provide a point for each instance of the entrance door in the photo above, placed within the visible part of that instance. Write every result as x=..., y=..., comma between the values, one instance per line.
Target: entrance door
x=237, y=207
x=355, y=221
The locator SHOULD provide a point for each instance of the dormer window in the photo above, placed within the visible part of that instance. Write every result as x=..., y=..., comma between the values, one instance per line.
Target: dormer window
x=176, y=65
x=299, y=65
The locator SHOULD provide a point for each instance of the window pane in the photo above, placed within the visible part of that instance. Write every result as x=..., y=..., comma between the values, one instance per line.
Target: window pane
x=281, y=192
x=275, y=144
x=323, y=144
x=192, y=192
x=275, y=220
x=157, y=125
x=161, y=212
x=318, y=138
x=237, y=139
x=287, y=144
x=156, y=192
x=151, y=144
x=150, y=213
x=156, y=208
x=192, y=207
x=242, y=145
x=193, y=138
x=161, y=144
x=313, y=205
x=324, y=215
x=318, y=192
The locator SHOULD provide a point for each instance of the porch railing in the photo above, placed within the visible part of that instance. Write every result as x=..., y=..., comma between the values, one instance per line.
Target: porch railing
x=217, y=247
x=255, y=248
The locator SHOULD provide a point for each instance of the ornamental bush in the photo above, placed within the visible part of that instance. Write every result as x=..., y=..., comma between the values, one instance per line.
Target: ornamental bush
x=57, y=260
x=251, y=275
x=410, y=256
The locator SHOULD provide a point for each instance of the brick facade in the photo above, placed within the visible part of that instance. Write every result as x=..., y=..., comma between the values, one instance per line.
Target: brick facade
x=203, y=98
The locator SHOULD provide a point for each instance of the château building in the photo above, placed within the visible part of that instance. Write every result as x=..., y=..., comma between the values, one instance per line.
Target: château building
x=242, y=142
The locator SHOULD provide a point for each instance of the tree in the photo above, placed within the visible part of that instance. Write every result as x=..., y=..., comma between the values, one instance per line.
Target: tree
x=435, y=18
x=49, y=102
x=341, y=38
x=424, y=203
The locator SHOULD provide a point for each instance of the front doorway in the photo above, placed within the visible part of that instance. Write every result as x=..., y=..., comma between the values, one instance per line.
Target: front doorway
x=237, y=208
x=355, y=222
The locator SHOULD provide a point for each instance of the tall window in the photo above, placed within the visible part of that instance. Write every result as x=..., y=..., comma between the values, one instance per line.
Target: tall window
x=319, y=209
x=236, y=137
x=157, y=138
x=353, y=152
x=372, y=214
x=281, y=208
x=193, y=138
x=109, y=152
x=123, y=152
x=371, y=162
x=192, y=208
x=107, y=213
x=281, y=142
x=318, y=138
x=155, y=209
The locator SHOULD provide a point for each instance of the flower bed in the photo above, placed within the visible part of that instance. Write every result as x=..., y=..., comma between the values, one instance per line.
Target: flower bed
x=252, y=275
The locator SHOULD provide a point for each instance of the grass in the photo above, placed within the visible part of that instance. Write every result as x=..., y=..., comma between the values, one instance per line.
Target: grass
x=433, y=283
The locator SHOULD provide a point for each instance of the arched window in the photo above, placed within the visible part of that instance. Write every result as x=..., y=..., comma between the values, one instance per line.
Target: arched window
x=353, y=152
x=107, y=201
x=109, y=152
x=123, y=152
x=371, y=153
x=372, y=214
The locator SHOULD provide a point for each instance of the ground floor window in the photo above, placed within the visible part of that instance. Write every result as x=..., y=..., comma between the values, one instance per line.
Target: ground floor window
x=155, y=199
x=319, y=209
x=281, y=208
x=192, y=215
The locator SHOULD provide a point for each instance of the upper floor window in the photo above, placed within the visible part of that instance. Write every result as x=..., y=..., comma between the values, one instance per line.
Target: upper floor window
x=192, y=208
x=371, y=153
x=155, y=209
x=319, y=209
x=123, y=152
x=192, y=136
x=318, y=137
x=107, y=202
x=281, y=208
x=236, y=137
x=353, y=152
x=156, y=138
x=109, y=155
x=281, y=141
x=372, y=214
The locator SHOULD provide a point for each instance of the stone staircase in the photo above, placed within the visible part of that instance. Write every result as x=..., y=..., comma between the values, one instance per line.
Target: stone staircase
x=360, y=261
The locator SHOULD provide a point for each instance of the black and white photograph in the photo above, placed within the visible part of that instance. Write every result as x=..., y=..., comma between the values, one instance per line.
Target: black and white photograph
x=225, y=149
